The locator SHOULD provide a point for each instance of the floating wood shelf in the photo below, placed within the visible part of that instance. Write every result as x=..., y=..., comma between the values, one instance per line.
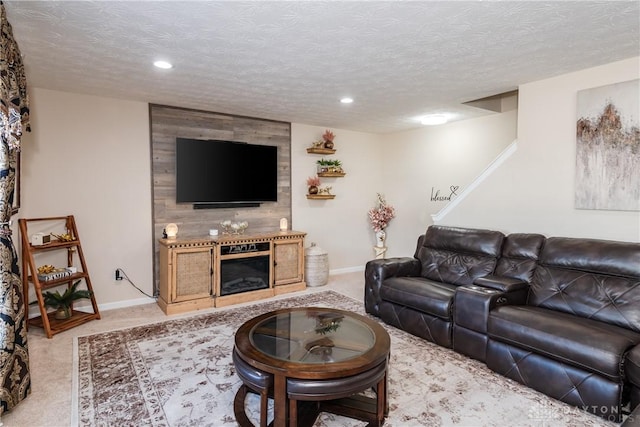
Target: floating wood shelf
x=314, y=150
x=331, y=174
x=321, y=196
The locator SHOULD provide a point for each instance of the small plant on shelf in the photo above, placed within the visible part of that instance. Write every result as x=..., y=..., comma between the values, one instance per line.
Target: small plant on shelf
x=328, y=137
x=62, y=302
x=325, y=166
x=336, y=166
x=313, y=182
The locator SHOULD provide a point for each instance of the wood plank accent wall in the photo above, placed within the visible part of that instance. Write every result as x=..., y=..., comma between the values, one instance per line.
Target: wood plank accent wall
x=169, y=123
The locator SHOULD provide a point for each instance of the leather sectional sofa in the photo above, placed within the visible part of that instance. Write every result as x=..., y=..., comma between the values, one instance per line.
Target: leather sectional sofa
x=560, y=315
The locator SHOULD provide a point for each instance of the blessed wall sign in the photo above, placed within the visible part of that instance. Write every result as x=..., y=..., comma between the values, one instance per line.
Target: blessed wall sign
x=444, y=196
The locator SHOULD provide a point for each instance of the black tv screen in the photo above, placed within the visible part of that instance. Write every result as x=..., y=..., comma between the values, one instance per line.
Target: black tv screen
x=213, y=171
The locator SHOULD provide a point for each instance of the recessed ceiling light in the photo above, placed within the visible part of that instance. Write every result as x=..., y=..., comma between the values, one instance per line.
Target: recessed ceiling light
x=346, y=100
x=163, y=64
x=434, y=119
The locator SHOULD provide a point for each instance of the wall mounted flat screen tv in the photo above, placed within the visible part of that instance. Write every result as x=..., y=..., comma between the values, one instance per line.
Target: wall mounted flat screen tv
x=214, y=173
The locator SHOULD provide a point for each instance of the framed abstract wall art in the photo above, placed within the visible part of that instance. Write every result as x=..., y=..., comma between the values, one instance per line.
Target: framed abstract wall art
x=608, y=147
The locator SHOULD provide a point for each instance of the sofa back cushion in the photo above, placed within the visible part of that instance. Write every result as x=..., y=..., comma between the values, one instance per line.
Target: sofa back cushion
x=458, y=255
x=596, y=279
x=519, y=257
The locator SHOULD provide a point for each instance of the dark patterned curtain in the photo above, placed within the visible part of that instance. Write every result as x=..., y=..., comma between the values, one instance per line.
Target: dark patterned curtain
x=15, y=381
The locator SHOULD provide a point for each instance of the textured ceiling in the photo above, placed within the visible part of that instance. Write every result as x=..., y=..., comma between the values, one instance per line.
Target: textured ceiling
x=293, y=61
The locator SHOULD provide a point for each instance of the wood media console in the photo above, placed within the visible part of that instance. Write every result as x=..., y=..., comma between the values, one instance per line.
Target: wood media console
x=229, y=269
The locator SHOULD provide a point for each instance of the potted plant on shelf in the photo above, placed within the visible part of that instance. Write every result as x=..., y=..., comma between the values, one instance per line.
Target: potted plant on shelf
x=313, y=182
x=332, y=166
x=336, y=166
x=323, y=165
x=328, y=136
x=62, y=302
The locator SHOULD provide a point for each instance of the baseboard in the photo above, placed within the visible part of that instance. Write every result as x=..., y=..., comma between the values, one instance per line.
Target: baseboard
x=346, y=270
x=146, y=300
x=127, y=303
x=102, y=307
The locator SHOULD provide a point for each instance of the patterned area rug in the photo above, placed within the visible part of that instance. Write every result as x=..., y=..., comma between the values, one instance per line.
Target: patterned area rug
x=179, y=373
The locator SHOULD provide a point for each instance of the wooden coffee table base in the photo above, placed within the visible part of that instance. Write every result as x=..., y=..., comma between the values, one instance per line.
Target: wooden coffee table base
x=359, y=407
x=304, y=408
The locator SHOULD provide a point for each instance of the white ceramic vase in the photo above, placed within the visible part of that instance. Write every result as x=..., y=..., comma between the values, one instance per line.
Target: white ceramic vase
x=380, y=238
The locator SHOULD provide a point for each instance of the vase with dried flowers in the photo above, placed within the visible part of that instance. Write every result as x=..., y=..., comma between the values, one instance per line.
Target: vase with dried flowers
x=313, y=182
x=379, y=217
x=328, y=136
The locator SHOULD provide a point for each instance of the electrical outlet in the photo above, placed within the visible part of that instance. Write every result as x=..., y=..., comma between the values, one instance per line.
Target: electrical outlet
x=118, y=274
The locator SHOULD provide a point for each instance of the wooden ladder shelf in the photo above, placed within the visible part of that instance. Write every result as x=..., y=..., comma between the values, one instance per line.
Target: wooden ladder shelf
x=47, y=320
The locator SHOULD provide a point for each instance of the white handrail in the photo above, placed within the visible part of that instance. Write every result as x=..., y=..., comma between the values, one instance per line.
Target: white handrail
x=501, y=158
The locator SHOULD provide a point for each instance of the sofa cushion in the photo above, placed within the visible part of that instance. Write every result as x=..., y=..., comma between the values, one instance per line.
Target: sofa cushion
x=595, y=279
x=519, y=257
x=421, y=294
x=588, y=344
x=458, y=255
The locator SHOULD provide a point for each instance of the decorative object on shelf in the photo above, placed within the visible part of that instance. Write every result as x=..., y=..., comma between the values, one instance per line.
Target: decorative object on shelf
x=317, y=144
x=316, y=266
x=284, y=224
x=324, y=190
x=62, y=302
x=379, y=217
x=171, y=230
x=328, y=137
x=66, y=237
x=313, y=182
x=48, y=272
x=229, y=227
x=329, y=167
x=39, y=239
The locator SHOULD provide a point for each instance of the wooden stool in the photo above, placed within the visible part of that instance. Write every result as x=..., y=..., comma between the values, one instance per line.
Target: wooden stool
x=253, y=380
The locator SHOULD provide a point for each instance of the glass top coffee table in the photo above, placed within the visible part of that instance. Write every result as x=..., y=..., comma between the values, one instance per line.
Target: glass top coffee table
x=313, y=360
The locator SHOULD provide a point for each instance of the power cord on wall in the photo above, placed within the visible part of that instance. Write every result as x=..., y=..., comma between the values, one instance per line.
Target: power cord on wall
x=121, y=274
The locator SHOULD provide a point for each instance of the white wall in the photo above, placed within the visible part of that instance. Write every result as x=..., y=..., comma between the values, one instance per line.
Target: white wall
x=339, y=226
x=437, y=158
x=89, y=157
x=534, y=190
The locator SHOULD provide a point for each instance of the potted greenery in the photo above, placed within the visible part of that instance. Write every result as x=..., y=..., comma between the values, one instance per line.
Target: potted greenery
x=323, y=165
x=336, y=166
x=62, y=302
x=329, y=166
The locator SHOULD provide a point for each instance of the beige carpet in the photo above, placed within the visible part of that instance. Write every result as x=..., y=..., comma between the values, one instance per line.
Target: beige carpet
x=179, y=373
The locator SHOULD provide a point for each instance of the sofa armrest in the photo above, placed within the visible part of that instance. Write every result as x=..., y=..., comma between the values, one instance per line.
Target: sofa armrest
x=473, y=303
x=377, y=270
x=501, y=283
